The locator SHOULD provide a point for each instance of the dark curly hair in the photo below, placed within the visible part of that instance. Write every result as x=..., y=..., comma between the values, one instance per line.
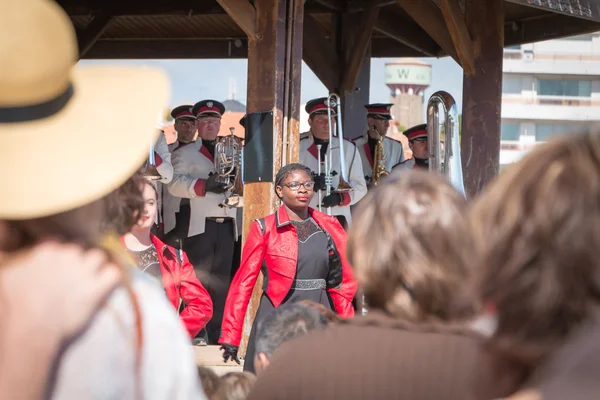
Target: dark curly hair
x=286, y=170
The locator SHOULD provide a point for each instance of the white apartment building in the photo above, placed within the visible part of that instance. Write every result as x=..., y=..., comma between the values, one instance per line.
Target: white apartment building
x=549, y=88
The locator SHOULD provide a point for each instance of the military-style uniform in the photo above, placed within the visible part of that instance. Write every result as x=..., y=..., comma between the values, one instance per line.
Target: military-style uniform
x=416, y=133
x=392, y=149
x=208, y=230
x=308, y=156
x=162, y=158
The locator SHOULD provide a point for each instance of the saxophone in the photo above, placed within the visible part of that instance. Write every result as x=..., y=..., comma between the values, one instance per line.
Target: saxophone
x=379, y=161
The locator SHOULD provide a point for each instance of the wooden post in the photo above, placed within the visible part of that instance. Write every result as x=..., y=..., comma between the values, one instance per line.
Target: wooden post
x=482, y=94
x=267, y=90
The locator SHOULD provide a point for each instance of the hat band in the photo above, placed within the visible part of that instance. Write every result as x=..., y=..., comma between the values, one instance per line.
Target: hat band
x=34, y=112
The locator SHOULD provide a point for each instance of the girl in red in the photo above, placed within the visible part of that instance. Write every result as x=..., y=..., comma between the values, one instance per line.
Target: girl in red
x=171, y=270
x=302, y=253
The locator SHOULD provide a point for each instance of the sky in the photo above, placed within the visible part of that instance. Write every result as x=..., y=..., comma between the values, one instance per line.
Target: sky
x=194, y=80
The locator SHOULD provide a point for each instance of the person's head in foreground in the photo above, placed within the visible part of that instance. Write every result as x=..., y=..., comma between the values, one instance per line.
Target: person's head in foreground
x=235, y=386
x=409, y=246
x=285, y=323
x=537, y=237
x=210, y=382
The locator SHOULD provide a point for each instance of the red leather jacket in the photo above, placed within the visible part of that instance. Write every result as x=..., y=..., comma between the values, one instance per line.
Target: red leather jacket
x=277, y=249
x=182, y=285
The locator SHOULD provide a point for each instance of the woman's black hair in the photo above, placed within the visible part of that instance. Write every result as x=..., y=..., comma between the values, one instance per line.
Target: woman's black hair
x=287, y=169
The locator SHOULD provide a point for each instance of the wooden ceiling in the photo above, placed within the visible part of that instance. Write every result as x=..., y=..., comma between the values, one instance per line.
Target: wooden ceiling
x=201, y=29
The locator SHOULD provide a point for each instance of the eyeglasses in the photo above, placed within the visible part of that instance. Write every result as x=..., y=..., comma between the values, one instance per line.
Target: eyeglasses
x=296, y=185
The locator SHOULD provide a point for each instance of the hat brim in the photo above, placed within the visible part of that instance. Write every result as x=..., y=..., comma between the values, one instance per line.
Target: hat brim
x=88, y=149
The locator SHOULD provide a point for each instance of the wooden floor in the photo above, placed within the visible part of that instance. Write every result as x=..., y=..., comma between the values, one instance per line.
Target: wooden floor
x=211, y=357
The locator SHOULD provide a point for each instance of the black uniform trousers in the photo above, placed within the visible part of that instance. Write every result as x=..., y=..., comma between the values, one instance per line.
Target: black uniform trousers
x=211, y=254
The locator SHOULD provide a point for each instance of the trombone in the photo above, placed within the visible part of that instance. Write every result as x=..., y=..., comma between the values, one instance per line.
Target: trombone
x=343, y=186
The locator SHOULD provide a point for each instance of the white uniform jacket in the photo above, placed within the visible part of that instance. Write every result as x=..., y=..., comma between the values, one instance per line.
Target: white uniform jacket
x=408, y=164
x=308, y=156
x=191, y=165
x=392, y=150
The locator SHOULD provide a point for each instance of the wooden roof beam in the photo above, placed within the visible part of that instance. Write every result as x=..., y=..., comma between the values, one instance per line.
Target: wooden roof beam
x=459, y=33
x=92, y=33
x=407, y=33
x=359, y=48
x=549, y=27
x=430, y=18
x=244, y=15
x=320, y=54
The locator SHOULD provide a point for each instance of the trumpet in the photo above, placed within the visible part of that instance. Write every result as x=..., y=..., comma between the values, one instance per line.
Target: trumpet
x=444, y=158
x=343, y=186
x=228, y=164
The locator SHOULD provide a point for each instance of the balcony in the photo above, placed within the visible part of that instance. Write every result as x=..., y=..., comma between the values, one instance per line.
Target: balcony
x=551, y=108
x=517, y=61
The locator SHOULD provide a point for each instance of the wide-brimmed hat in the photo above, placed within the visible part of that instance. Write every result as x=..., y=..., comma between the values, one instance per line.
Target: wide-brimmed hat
x=68, y=135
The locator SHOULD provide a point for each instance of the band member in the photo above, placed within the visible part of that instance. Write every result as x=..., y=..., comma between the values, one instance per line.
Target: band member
x=207, y=230
x=162, y=158
x=417, y=141
x=185, y=126
x=378, y=119
x=302, y=253
x=308, y=155
x=170, y=267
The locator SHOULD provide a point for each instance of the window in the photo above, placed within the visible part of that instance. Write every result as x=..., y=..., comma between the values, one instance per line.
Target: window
x=553, y=87
x=510, y=131
x=511, y=84
x=544, y=132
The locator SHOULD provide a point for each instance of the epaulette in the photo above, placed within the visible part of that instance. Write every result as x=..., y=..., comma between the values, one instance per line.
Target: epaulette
x=304, y=135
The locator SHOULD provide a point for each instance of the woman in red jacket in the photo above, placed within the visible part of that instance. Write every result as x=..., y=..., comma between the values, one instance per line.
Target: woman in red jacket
x=172, y=270
x=302, y=253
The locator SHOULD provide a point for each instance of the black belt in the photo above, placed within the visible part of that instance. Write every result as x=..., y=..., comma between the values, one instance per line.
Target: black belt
x=219, y=220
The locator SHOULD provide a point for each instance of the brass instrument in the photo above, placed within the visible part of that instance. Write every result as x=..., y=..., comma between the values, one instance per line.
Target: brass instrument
x=334, y=101
x=228, y=164
x=444, y=159
x=150, y=172
x=379, y=160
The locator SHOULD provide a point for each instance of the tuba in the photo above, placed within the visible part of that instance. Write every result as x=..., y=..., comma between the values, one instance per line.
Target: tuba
x=343, y=186
x=228, y=164
x=444, y=156
x=379, y=160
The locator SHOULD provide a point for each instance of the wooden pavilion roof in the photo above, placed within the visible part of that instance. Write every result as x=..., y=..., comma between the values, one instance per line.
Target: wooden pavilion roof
x=109, y=29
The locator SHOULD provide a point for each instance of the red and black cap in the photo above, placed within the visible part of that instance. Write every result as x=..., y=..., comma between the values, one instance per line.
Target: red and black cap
x=318, y=107
x=416, y=132
x=208, y=108
x=379, y=110
x=183, y=112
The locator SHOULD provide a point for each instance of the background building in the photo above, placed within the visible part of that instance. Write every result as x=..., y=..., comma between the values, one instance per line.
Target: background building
x=549, y=88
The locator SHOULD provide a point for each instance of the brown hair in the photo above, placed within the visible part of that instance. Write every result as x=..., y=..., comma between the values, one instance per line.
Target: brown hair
x=537, y=231
x=91, y=226
x=235, y=385
x=331, y=316
x=408, y=245
x=210, y=382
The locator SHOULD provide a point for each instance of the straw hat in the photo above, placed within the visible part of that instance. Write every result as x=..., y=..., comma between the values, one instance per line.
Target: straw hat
x=68, y=136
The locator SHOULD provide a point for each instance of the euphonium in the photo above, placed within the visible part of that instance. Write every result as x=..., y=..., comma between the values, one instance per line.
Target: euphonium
x=228, y=164
x=379, y=160
x=444, y=159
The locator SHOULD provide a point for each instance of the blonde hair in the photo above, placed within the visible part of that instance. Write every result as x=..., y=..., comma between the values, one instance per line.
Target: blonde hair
x=537, y=231
x=235, y=386
x=408, y=245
